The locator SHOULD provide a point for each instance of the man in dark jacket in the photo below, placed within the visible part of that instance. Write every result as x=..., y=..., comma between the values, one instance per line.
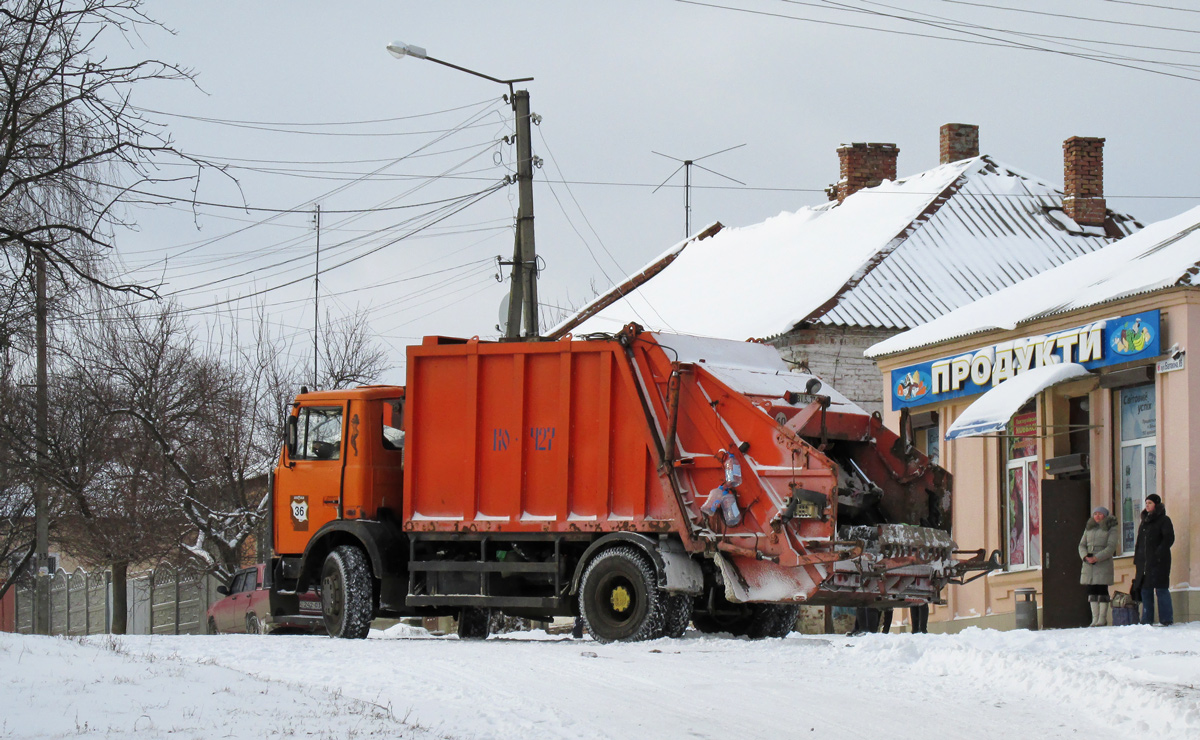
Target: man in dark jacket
x=1152, y=560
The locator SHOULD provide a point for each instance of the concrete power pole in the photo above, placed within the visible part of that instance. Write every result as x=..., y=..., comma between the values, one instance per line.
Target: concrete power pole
x=41, y=507
x=523, y=300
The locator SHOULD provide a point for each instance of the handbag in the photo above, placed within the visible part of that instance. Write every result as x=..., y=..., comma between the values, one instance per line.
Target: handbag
x=1135, y=589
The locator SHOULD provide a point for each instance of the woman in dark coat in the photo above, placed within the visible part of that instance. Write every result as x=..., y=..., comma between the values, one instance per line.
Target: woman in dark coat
x=1152, y=560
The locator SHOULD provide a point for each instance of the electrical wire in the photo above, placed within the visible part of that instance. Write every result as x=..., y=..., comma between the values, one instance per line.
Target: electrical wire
x=208, y=119
x=1071, y=17
x=974, y=41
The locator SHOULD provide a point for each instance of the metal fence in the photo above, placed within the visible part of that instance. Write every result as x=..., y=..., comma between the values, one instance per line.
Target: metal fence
x=162, y=601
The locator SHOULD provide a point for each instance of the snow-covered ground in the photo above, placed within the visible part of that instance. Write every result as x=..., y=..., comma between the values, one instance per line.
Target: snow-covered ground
x=1116, y=682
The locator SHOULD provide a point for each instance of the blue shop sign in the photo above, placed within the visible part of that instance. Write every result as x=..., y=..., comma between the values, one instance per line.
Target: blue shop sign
x=1098, y=344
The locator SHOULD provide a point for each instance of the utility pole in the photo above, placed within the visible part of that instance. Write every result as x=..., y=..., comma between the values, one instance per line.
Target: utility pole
x=523, y=298
x=316, y=296
x=41, y=504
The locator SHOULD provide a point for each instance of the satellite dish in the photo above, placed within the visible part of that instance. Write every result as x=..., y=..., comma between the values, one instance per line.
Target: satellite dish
x=503, y=325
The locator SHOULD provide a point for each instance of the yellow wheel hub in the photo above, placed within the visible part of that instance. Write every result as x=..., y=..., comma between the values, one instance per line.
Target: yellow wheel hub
x=620, y=599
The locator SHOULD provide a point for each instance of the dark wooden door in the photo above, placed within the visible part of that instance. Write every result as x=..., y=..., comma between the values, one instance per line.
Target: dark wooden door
x=1065, y=511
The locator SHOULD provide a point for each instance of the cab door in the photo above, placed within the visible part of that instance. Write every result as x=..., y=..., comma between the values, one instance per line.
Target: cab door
x=309, y=482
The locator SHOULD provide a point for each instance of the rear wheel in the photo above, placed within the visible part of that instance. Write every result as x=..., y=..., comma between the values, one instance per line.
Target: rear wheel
x=736, y=625
x=678, y=614
x=619, y=598
x=474, y=623
x=772, y=620
x=347, y=593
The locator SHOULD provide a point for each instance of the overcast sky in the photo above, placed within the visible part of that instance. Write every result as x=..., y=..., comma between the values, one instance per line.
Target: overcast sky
x=614, y=82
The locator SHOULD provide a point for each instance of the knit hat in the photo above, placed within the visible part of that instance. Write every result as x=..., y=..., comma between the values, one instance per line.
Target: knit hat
x=1155, y=498
x=1100, y=510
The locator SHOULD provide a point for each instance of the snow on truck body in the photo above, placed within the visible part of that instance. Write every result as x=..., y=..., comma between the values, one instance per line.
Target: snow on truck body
x=569, y=477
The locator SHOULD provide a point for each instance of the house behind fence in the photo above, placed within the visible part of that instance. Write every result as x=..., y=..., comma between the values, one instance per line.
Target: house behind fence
x=162, y=601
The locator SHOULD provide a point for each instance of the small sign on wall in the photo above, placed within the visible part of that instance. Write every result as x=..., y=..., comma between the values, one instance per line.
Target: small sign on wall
x=1171, y=365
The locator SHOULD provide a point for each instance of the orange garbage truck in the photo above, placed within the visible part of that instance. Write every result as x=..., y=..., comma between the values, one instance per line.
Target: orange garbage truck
x=642, y=481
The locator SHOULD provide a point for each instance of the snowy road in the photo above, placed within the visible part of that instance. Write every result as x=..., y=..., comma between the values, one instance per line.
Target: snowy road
x=1106, y=683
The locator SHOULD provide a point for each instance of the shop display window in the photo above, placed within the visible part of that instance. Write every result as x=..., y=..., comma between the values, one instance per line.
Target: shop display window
x=1137, y=460
x=933, y=444
x=1022, y=491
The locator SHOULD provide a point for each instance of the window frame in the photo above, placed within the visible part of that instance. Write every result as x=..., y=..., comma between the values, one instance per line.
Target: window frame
x=304, y=426
x=1027, y=467
x=1146, y=448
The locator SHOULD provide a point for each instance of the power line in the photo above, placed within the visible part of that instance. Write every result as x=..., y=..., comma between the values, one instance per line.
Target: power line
x=1000, y=43
x=1015, y=44
x=1152, y=5
x=1054, y=39
x=227, y=121
x=1071, y=17
x=352, y=259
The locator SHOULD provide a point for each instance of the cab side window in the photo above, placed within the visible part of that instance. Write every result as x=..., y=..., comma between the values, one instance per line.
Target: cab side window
x=319, y=433
x=393, y=424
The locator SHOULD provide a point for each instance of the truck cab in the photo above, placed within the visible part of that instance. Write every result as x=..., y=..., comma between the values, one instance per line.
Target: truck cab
x=343, y=460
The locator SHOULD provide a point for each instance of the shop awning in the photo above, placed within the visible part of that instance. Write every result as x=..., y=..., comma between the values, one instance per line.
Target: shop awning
x=991, y=411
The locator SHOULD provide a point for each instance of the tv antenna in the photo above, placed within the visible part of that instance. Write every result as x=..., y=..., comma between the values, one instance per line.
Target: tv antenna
x=686, y=165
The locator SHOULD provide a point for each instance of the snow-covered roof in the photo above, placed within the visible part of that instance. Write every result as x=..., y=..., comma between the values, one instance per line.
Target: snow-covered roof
x=893, y=256
x=1163, y=255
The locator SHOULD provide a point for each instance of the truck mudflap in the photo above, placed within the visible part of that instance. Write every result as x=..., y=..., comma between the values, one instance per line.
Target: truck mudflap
x=880, y=565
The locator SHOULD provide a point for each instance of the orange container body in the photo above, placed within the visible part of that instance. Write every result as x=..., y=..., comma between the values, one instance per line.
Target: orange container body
x=529, y=437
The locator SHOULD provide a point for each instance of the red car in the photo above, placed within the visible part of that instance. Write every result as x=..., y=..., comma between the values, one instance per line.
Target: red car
x=253, y=606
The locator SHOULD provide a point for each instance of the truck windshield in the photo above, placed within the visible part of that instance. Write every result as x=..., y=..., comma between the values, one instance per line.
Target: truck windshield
x=320, y=434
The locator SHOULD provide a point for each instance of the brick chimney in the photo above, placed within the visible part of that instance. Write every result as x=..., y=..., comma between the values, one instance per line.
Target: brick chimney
x=1083, y=180
x=958, y=141
x=864, y=166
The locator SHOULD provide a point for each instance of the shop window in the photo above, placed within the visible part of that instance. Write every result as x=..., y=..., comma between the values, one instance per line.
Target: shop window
x=933, y=444
x=1022, y=491
x=1137, y=473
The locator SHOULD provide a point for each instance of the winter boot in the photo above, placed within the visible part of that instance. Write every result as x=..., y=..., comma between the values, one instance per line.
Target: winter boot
x=1105, y=610
x=1095, y=611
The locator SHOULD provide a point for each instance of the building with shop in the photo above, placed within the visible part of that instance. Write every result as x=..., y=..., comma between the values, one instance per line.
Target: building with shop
x=824, y=283
x=1069, y=390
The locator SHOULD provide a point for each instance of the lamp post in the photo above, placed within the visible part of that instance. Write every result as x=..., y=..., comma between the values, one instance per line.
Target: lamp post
x=523, y=292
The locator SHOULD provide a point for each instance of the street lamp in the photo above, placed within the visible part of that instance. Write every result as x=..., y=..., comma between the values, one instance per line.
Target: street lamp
x=523, y=293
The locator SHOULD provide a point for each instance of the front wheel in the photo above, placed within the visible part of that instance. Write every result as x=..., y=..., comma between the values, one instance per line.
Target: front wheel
x=347, y=593
x=253, y=626
x=212, y=626
x=619, y=597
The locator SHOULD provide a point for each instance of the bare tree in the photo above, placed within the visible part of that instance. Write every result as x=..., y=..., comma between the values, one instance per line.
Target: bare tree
x=73, y=147
x=349, y=354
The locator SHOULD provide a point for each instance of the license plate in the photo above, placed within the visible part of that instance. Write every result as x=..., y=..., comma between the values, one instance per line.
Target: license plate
x=311, y=605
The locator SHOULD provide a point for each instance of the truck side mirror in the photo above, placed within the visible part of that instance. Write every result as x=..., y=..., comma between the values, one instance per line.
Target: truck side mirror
x=223, y=590
x=291, y=434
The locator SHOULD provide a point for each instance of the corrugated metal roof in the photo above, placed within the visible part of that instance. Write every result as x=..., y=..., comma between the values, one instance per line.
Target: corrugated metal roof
x=995, y=227
x=1162, y=256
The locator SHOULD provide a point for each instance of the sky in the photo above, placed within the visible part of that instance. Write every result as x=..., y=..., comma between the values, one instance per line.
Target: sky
x=614, y=83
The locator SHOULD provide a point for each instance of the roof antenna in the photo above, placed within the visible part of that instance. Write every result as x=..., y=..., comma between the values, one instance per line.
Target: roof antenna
x=686, y=165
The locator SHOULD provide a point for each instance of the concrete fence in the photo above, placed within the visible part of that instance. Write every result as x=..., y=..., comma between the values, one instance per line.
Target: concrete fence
x=162, y=601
